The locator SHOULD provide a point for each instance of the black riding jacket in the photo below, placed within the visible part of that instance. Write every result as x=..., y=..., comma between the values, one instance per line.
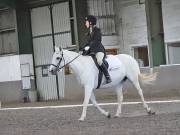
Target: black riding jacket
x=94, y=41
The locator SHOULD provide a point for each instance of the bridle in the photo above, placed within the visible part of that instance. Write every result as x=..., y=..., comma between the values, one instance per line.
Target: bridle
x=65, y=64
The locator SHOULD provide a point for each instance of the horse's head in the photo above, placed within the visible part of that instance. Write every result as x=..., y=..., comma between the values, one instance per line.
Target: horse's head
x=56, y=63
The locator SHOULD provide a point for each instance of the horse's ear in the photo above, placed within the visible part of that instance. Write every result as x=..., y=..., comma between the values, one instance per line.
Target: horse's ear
x=56, y=49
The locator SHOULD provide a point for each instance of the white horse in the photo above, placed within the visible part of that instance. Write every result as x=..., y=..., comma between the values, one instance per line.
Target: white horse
x=120, y=66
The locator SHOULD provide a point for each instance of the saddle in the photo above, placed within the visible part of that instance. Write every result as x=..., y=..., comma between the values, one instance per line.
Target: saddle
x=100, y=75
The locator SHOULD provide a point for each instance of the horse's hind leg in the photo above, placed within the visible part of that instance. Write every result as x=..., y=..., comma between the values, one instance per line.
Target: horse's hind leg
x=119, y=99
x=93, y=100
x=137, y=86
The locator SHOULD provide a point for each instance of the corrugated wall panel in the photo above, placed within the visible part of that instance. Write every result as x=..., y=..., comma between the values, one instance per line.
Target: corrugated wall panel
x=104, y=10
x=8, y=33
x=63, y=40
x=43, y=45
x=174, y=55
x=62, y=26
x=90, y=10
x=99, y=3
x=40, y=21
x=43, y=50
x=171, y=13
x=61, y=17
x=108, y=10
x=111, y=5
x=134, y=25
x=1, y=44
x=46, y=85
x=61, y=82
x=9, y=42
x=101, y=7
x=7, y=18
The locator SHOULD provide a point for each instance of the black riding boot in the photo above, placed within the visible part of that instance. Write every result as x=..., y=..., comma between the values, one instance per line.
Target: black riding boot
x=106, y=73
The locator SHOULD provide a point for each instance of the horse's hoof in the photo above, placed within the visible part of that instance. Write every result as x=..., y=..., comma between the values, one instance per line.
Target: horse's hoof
x=81, y=119
x=116, y=116
x=109, y=116
x=151, y=112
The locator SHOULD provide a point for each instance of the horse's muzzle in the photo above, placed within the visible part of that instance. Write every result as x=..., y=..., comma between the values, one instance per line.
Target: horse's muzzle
x=53, y=72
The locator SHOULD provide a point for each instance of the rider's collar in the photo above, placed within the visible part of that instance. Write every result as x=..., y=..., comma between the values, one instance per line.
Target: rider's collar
x=91, y=28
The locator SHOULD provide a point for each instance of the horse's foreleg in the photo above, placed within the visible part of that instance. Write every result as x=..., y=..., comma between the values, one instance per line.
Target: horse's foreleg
x=88, y=91
x=93, y=100
x=119, y=99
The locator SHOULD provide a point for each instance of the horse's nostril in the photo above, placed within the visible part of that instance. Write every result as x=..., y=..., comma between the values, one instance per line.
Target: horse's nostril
x=51, y=71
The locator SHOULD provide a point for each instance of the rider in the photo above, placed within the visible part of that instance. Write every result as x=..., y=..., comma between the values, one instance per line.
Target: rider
x=94, y=45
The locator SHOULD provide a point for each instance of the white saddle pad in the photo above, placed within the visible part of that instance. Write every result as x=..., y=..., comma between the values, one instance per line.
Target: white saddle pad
x=114, y=62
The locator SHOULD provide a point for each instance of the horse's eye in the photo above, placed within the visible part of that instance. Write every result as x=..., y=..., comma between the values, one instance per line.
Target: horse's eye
x=58, y=58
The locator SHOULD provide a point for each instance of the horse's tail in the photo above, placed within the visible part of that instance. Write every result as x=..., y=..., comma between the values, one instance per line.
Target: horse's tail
x=147, y=79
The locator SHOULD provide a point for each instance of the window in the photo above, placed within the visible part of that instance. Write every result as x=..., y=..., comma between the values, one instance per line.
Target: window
x=174, y=53
x=141, y=55
x=104, y=11
x=45, y=71
x=112, y=51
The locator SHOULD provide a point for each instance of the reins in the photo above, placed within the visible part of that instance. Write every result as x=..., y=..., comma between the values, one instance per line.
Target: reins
x=59, y=68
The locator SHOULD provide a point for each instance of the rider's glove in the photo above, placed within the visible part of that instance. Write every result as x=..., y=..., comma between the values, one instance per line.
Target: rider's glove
x=86, y=48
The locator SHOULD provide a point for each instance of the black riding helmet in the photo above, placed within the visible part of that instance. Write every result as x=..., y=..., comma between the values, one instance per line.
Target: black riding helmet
x=91, y=19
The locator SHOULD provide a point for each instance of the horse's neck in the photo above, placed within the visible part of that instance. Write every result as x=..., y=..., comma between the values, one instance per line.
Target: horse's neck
x=75, y=65
x=69, y=55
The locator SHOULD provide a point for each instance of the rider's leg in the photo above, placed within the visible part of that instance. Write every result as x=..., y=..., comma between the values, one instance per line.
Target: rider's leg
x=99, y=57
